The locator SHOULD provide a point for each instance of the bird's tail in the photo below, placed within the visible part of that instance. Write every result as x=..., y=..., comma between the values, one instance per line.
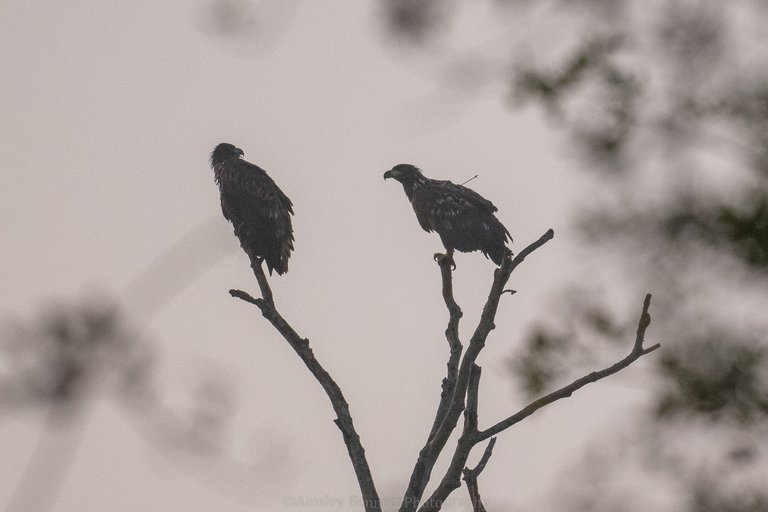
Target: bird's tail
x=278, y=259
x=497, y=254
x=497, y=241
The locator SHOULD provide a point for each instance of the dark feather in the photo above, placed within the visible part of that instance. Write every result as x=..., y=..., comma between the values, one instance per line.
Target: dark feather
x=463, y=218
x=259, y=211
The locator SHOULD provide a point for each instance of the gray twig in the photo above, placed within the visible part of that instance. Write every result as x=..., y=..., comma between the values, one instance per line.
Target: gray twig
x=470, y=477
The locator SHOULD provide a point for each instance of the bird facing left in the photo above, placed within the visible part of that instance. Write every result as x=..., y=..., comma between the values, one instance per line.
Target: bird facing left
x=259, y=211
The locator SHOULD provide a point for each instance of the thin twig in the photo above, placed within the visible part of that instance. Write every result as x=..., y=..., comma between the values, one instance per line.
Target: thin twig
x=637, y=352
x=470, y=477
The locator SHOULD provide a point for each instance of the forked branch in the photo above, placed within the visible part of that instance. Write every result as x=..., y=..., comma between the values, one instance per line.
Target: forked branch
x=470, y=477
x=454, y=405
x=472, y=436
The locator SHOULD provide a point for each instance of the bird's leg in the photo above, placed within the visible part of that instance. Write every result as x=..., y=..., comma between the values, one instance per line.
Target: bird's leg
x=445, y=259
x=261, y=278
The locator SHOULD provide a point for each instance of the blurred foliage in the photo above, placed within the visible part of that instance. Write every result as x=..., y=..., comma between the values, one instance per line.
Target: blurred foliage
x=71, y=351
x=602, y=138
x=704, y=499
x=717, y=378
x=553, y=351
x=667, y=104
x=741, y=229
x=415, y=20
x=231, y=18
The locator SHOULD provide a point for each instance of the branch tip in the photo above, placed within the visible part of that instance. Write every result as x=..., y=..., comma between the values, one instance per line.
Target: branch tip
x=244, y=296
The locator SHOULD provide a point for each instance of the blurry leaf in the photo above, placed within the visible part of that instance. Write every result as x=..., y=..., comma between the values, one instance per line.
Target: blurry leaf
x=231, y=17
x=692, y=36
x=748, y=231
x=548, y=87
x=708, y=496
x=534, y=368
x=415, y=20
x=58, y=358
x=717, y=378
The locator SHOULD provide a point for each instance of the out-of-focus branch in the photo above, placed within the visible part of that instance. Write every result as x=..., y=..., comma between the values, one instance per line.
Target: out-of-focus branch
x=471, y=436
x=428, y=455
x=340, y=406
x=47, y=469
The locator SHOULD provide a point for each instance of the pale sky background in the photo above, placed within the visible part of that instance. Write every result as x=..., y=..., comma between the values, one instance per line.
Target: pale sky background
x=109, y=111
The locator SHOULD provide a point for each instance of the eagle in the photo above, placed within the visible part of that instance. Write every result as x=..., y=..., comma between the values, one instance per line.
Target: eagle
x=259, y=211
x=463, y=218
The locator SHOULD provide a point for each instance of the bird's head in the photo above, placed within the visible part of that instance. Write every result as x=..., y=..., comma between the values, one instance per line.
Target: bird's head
x=404, y=173
x=225, y=151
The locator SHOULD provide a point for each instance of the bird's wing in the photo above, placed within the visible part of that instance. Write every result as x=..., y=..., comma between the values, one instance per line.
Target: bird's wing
x=471, y=196
x=442, y=204
x=249, y=187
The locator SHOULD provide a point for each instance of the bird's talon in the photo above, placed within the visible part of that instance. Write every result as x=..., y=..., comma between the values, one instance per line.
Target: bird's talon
x=463, y=218
x=443, y=259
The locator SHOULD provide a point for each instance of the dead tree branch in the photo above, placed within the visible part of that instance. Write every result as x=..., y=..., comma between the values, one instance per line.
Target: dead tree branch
x=471, y=436
x=341, y=408
x=439, y=436
x=637, y=352
x=454, y=344
x=470, y=477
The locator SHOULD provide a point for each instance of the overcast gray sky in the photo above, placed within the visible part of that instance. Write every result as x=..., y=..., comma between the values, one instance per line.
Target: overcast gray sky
x=109, y=113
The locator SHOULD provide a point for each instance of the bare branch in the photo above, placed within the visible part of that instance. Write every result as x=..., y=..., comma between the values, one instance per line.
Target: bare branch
x=454, y=343
x=483, y=460
x=467, y=441
x=566, y=391
x=473, y=392
x=471, y=436
x=642, y=324
x=340, y=406
x=428, y=455
x=470, y=477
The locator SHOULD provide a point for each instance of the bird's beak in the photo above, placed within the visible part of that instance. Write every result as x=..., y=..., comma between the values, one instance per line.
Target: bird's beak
x=239, y=152
x=389, y=174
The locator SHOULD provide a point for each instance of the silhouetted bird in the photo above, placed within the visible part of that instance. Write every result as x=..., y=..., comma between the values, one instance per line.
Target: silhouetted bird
x=258, y=209
x=463, y=218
